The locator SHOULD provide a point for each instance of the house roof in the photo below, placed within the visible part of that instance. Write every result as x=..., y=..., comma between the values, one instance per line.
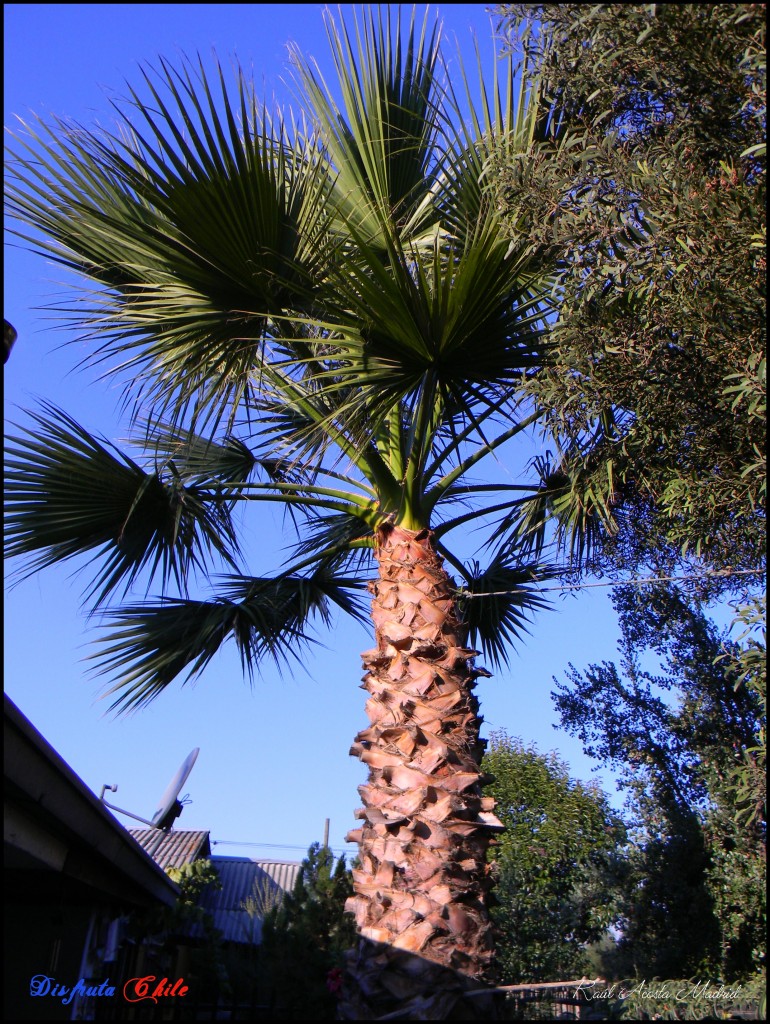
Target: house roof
x=175, y=848
x=56, y=827
x=249, y=889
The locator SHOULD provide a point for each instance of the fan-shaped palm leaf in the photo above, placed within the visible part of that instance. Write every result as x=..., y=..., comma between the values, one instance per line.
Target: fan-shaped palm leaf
x=67, y=494
x=574, y=501
x=197, y=236
x=499, y=601
x=153, y=644
x=228, y=462
x=381, y=140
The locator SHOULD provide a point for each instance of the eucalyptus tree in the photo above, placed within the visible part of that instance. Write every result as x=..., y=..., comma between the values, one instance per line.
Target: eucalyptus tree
x=319, y=310
x=652, y=202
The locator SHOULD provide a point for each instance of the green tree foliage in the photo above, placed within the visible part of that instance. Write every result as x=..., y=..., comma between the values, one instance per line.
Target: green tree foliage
x=162, y=931
x=193, y=879
x=558, y=865
x=206, y=957
x=748, y=662
x=650, y=195
x=679, y=734
x=186, y=915
x=304, y=938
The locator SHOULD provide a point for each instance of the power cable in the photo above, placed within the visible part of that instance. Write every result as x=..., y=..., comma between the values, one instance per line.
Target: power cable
x=620, y=583
x=270, y=846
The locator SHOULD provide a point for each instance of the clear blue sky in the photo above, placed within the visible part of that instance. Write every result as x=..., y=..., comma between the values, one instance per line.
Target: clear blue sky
x=273, y=762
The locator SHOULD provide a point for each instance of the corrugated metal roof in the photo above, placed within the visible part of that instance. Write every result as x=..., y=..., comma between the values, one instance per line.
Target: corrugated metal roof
x=249, y=889
x=175, y=848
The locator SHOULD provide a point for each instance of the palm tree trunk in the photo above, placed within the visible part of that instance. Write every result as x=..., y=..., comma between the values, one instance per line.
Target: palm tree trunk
x=422, y=882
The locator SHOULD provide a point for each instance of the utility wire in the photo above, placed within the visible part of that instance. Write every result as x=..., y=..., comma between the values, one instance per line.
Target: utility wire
x=269, y=846
x=621, y=583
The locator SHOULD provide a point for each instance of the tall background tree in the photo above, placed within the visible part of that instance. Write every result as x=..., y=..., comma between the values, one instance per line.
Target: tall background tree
x=680, y=726
x=304, y=940
x=559, y=866
x=322, y=312
x=650, y=196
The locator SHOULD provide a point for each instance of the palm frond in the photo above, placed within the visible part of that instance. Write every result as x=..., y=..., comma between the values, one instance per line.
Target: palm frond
x=68, y=494
x=460, y=321
x=573, y=508
x=198, y=226
x=332, y=532
x=501, y=123
x=498, y=602
x=380, y=138
x=152, y=644
x=199, y=457
x=584, y=514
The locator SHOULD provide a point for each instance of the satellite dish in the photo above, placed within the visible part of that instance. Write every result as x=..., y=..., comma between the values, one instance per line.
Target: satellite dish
x=170, y=808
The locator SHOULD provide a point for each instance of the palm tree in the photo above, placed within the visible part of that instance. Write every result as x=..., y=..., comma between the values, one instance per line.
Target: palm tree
x=321, y=311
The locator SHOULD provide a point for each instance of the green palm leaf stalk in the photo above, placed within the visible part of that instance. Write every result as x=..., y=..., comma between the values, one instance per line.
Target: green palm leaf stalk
x=319, y=311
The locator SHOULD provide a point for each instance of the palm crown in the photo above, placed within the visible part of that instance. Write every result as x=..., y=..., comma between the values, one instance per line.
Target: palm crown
x=325, y=314
x=321, y=311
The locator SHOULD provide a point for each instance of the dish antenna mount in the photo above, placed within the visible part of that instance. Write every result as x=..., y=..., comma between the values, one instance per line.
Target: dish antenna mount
x=170, y=806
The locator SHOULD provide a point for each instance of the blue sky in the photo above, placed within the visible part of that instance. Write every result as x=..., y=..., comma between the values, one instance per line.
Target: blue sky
x=273, y=762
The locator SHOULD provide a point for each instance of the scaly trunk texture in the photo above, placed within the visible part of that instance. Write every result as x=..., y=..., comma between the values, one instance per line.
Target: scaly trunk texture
x=423, y=878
